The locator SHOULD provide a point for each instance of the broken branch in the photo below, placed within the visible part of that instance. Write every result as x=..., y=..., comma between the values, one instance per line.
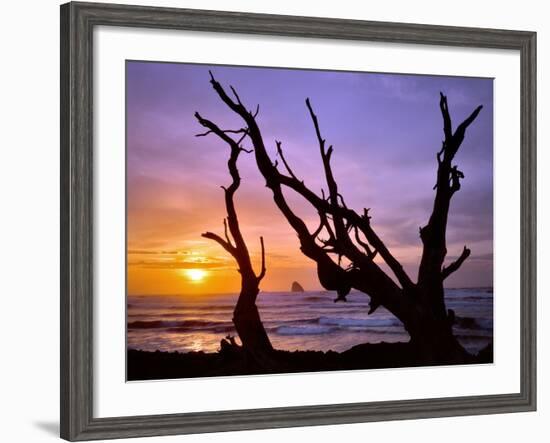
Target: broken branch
x=446, y=271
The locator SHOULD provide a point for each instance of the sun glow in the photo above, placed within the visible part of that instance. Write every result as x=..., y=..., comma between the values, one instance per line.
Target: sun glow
x=195, y=275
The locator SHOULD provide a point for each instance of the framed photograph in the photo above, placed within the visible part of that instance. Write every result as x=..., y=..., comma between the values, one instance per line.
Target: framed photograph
x=273, y=221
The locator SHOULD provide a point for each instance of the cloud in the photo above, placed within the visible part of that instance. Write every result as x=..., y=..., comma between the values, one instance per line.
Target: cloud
x=150, y=252
x=179, y=264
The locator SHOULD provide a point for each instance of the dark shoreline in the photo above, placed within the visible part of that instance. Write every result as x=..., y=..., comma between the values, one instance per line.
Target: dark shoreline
x=145, y=365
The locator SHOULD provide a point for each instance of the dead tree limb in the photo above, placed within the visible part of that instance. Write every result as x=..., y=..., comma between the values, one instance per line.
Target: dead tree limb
x=433, y=235
x=246, y=316
x=453, y=267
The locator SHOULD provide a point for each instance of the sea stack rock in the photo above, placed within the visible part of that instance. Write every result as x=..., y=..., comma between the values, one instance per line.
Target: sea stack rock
x=296, y=287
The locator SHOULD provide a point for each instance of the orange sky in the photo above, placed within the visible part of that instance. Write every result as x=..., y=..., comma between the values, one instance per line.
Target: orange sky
x=163, y=248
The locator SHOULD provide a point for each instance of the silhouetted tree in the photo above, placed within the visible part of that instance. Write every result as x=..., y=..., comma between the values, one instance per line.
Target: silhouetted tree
x=246, y=317
x=343, y=232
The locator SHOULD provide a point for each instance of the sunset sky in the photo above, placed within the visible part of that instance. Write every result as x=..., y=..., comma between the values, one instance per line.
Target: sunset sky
x=386, y=130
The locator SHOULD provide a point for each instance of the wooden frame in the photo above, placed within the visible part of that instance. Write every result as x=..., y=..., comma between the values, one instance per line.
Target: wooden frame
x=77, y=23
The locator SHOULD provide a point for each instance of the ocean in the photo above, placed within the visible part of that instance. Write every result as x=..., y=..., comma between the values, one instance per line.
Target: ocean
x=294, y=321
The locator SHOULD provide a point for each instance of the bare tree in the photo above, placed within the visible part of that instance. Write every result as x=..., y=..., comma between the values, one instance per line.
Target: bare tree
x=246, y=317
x=343, y=232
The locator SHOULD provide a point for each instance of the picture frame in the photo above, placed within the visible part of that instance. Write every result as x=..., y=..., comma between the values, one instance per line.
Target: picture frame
x=78, y=21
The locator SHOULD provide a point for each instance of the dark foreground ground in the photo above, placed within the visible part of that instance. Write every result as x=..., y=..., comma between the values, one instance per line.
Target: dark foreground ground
x=142, y=365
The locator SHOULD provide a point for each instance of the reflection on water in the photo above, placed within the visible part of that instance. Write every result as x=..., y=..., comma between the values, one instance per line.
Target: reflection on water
x=294, y=321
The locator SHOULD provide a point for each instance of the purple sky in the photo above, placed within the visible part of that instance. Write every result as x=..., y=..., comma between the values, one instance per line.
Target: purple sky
x=385, y=128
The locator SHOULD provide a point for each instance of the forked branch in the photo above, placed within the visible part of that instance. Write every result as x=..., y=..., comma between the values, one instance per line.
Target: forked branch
x=238, y=250
x=453, y=267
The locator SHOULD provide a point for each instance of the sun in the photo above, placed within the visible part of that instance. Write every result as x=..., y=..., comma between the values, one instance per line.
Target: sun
x=195, y=275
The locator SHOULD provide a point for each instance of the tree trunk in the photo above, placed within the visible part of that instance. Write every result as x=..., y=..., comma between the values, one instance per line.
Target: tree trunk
x=433, y=339
x=249, y=326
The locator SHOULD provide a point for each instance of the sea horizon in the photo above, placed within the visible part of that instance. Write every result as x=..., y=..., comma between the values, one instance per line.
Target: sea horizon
x=206, y=294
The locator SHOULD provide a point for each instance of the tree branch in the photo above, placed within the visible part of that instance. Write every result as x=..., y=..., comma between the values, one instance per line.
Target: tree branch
x=285, y=163
x=225, y=231
x=340, y=212
x=461, y=130
x=370, y=253
x=456, y=175
x=231, y=223
x=446, y=271
x=261, y=275
x=226, y=131
x=227, y=246
x=433, y=235
x=447, y=126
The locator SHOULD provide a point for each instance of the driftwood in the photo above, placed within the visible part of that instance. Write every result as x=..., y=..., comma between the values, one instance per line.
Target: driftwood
x=343, y=232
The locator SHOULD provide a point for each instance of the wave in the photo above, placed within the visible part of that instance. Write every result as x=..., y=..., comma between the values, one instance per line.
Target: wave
x=155, y=324
x=316, y=298
x=216, y=329
x=156, y=314
x=303, y=330
x=372, y=322
x=226, y=307
x=297, y=321
x=363, y=329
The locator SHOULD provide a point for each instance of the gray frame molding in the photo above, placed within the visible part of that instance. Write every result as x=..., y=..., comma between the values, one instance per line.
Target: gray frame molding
x=77, y=23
